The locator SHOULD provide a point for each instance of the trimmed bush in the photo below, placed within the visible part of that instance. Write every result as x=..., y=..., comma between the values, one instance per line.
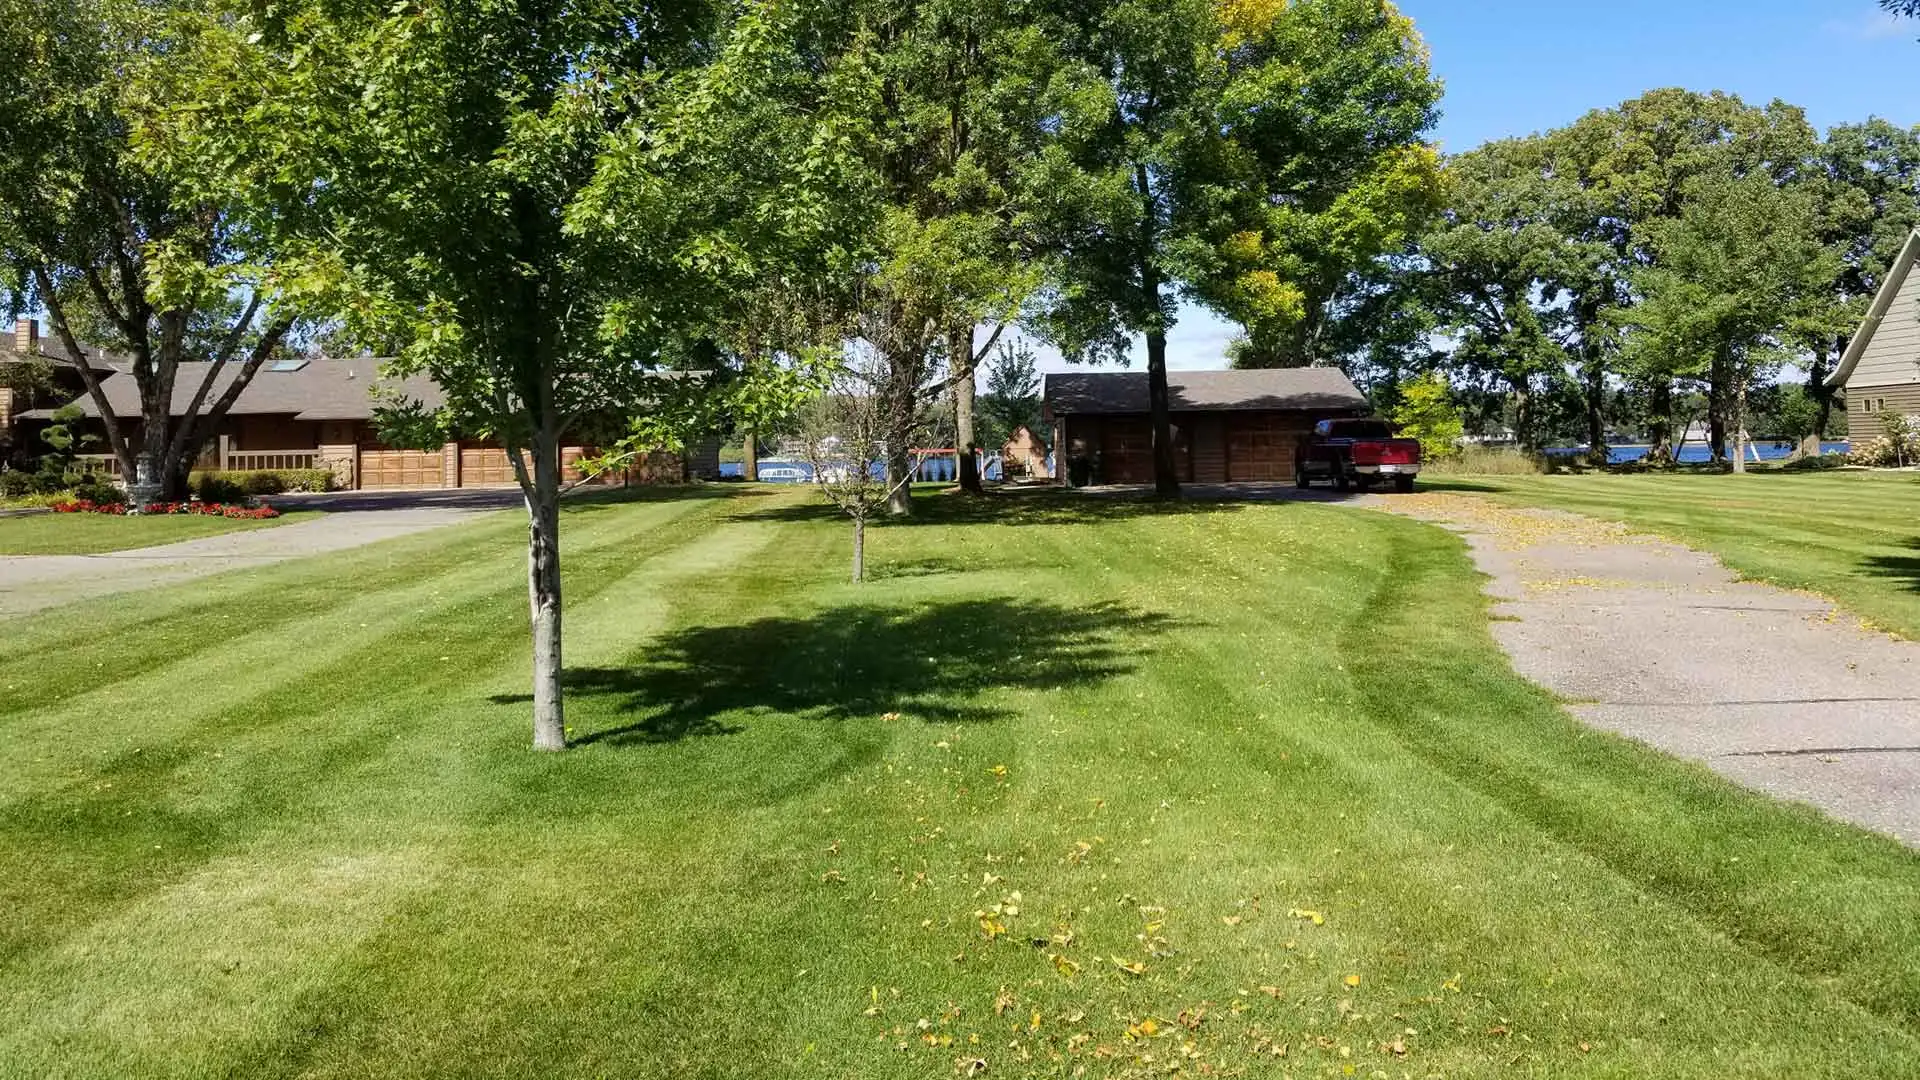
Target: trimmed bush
x=15, y=484
x=265, y=482
x=218, y=488
x=1816, y=464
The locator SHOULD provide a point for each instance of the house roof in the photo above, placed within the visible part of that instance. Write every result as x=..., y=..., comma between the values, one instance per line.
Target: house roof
x=317, y=390
x=1105, y=392
x=1877, y=314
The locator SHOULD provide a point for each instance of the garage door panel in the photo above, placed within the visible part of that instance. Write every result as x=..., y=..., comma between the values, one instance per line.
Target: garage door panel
x=1260, y=447
x=1126, y=451
x=400, y=469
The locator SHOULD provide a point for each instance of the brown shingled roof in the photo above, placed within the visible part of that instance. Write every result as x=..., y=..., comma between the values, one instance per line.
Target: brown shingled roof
x=1316, y=389
x=319, y=390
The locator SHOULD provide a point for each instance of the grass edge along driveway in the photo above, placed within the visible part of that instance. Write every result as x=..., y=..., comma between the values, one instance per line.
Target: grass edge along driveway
x=1852, y=537
x=99, y=534
x=1070, y=785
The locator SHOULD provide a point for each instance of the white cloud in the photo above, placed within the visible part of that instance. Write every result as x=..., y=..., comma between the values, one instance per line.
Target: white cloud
x=1871, y=26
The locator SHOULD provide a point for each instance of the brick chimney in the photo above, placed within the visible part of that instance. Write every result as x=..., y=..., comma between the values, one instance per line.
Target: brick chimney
x=26, y=336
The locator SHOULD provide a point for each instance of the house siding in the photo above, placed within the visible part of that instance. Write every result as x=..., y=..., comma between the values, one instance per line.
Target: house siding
x=1864, y=404
x=1892, y=358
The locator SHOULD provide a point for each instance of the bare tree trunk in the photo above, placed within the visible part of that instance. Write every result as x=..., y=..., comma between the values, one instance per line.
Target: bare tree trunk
x=859, y=550
x=960, y=355
x=543, y=591
x=750, y=464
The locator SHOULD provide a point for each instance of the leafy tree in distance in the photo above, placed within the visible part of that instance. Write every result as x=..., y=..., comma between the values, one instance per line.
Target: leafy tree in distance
x=547, y=203
x=1426, y=412
x=126, y=238
x=1323, y=170
x=1012, y=398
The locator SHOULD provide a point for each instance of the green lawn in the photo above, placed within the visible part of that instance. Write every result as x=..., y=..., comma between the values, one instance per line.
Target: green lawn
x=92, y=534
x=1071, y=786
x=1851, y=536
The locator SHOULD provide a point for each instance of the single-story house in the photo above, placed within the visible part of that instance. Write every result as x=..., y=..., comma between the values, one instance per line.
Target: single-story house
x=303, y=413
x=1228, y=426
x=1881, y=368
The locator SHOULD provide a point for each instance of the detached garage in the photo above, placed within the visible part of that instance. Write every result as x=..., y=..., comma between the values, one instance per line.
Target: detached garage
x=1228, y=426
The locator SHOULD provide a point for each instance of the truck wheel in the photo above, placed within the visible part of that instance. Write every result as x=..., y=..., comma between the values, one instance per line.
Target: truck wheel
x=1403, y=484
x=1300, y=477
x=1340, y=481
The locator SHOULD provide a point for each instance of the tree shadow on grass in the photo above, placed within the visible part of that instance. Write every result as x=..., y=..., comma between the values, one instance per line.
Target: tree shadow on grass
x=1902, y=569
x=930, y=663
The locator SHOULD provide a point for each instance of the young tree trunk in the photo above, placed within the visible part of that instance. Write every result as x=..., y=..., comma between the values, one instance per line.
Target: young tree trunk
x=902, y=386
x=1596, y=401
x=543, y=590
x=1719, y=404
x=1739, y=426
x=1660, y=422
x=750, y=463
x=859, y=550
x=960, y=355
x=1818, y=371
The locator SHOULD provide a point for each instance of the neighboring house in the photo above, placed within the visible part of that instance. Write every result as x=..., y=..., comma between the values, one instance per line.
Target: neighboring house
x=1024, y=455
x=1881, y=368
x=25, y=347
x=318, y=414
x=1228, y=426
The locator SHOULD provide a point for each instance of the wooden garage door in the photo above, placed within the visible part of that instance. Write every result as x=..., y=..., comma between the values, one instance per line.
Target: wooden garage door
x=1260, y=446
x=400, y=469
x=1126, y=451
x=482, y=466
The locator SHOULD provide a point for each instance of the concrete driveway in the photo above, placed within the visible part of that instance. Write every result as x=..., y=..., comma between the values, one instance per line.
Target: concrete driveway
x=1777, y=690
x=34, y=582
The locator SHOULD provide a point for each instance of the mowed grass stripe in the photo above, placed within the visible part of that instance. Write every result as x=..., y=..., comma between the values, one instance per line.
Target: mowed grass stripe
x=217, y=767
x=758, y=870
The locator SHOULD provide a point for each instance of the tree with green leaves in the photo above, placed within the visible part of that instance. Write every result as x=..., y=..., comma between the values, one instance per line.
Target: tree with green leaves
x=960, y=105
x=127, y=239
x=1426, y=412
x=1135, y=115
x=543, y=201
x=1324, y=169
x=1741, y=265
x=1866, y=179
x=1012, y=398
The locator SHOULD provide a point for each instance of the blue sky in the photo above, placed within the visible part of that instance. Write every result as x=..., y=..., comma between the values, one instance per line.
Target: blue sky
x=1513, y=68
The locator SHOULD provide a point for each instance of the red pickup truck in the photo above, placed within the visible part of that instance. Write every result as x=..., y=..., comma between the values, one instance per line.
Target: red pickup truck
x=1358, y=453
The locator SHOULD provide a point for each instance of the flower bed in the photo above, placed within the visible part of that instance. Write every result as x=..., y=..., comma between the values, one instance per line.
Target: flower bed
x=225, y=510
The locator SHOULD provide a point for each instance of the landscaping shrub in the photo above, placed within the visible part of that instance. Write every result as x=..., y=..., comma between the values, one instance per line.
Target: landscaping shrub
x=218, y=488
x=230, y=485
x=98, y=491
x=1487, y=461
x=15, y=484
x=1817, y=464
x=1881, y=453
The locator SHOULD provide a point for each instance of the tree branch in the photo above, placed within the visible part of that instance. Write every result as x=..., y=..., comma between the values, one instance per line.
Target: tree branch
x=122, y=450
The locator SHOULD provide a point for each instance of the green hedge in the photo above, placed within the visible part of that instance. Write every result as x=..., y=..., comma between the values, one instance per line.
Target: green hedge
x=236, y=486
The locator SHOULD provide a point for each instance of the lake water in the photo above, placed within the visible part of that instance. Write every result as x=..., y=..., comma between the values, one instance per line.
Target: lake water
x=1695, y=453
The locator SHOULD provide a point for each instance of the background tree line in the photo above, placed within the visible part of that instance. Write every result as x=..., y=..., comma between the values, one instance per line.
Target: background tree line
x=1650, y=265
